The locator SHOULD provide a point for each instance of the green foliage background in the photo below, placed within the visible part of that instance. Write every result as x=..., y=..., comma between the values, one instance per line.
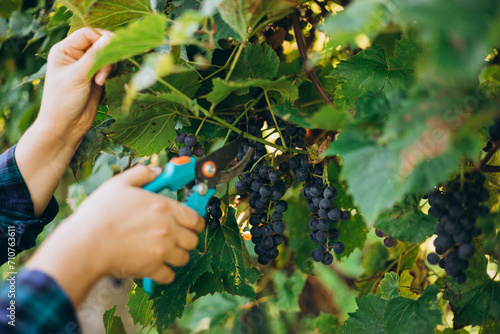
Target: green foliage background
x=403, y=95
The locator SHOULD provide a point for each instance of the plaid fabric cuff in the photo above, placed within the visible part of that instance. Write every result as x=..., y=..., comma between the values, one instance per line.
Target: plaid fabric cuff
x=16, y=207
x=41, y=306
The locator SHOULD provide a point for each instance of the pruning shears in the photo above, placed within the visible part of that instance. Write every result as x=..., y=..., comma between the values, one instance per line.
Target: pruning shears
x=208, y=172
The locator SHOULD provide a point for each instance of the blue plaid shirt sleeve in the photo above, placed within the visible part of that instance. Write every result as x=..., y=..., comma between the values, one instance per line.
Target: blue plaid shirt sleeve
x=30, y=301
x=37, y=306
x=16, y=207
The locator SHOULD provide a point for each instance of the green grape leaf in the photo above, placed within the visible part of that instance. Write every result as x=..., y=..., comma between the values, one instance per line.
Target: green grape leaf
x=257, y=61
x=292, y=114
x=404, y=285
x=149, y=125
x=231, y=262
x=490, y=225
x=169, y=300
x=352, y=234
x=359, y=20
x=9, y=6
x=370, y=70
x=244, y=15
x=369, y=171
x=177, y=8
x=451, y=44
x=403, y=315
x=406, y=222
x=368, y=318
x=222, y=88
x=328, y=118
x=389, y=286
x=20, y=23
x=393, y=286
x=136, y=38
x=326, y=323
x=112, y=323
x=139, y=306
x=91, y=145
x=108, y=14
x=474, y=302
x=288, y=289
x=208, y=283
x=296, y=218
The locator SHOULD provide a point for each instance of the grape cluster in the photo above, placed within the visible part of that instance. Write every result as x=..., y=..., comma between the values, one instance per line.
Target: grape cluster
x=324, y=214
x=191, y=145
x=266, y=188
x=214, y=213
x=457, y=205
x=388, y=241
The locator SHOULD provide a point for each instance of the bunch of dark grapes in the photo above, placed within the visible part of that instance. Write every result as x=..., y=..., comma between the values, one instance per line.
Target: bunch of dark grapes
x=265, y=186
x=494, y=132
x=191, y=147
x=214, y=213
x=457, y=205
x=325, y=215
x=388, y=241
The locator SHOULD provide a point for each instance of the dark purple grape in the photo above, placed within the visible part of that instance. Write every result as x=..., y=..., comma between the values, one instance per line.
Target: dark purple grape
x=199, y=152
x=325, y=204
x=281, y=206
x=259, y=250
x=185, y=151
x=240, y=186
x=256, y=231
x=379, y=233
x=327, y=259
x=274, y=176
x=345, y=215
x=277, y=216
x=180, y=137
x=323, y=225
x=433, y=258
x=263, y=259
x=465, y=251
x=267, y=242
x=277, y=239
x=279, y=227
x=389, y=242
x=333, y=234
x=334, y=214
x=338, y=248
x=321, y=235
x=317, y=255
x=190, y=140
x=330, y=193
x=273, y=253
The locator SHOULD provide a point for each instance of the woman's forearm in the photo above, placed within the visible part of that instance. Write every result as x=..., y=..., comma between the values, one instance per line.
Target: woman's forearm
x=43, y=155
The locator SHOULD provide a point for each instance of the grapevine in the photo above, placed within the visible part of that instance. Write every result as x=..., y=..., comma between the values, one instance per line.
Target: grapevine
x=370, y=202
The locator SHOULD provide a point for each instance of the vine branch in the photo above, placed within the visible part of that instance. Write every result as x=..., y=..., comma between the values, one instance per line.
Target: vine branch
x=491, y=153
x=307, y=68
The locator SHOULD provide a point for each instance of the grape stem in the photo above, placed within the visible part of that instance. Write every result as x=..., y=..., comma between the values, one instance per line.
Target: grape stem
x=489, y=155
x=491, y=169
x=274, y=119
x=235, y=60
x=219, y=120
x=303, y=53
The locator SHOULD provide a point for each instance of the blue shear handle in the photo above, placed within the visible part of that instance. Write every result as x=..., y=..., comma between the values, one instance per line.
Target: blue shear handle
x=196, y=202
x=176, y=175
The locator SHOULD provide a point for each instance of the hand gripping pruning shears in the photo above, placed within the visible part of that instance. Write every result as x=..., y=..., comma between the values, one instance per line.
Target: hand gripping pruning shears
x=208, y=172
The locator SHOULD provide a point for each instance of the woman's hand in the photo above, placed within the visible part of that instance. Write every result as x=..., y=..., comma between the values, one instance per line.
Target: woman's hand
x=70, y=99
x=69, y=106
x=121, y=230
